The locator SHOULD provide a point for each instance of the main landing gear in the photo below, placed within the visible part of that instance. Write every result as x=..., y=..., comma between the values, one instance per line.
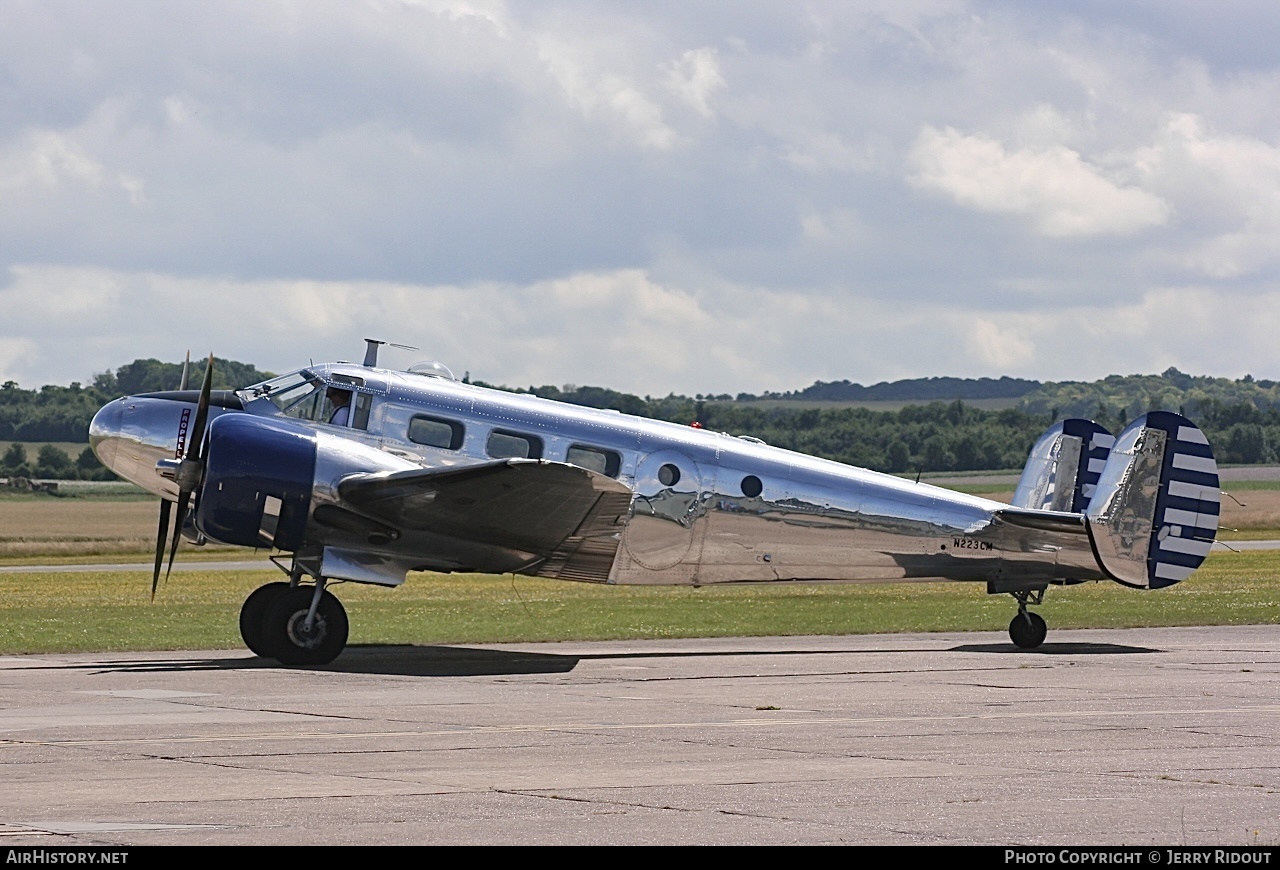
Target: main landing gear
x=1028, y=630
x=294, y=624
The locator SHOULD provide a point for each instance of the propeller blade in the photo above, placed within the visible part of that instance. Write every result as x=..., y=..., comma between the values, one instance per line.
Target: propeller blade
x=161, y=534
x=189, y=475
x=186, y=372
x=202, y=412
x=183, y=498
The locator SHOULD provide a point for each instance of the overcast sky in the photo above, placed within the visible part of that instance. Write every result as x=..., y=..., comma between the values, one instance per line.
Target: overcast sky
x=657, y=197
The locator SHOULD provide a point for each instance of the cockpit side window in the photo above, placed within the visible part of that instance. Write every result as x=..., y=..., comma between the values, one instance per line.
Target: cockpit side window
x=306, y=402
x=363, y=402
x=337, y=406
x=305, y=396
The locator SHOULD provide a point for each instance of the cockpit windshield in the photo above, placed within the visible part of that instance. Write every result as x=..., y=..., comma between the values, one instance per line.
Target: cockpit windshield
x=307, y=396
x=287, y=390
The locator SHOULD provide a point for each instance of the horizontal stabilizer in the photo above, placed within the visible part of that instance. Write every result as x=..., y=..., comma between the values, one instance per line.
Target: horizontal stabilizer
x=1062, y=471
x=1155, y=514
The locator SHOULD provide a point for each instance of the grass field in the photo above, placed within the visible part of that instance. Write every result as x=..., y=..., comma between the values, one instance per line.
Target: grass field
x=66, y=612
x=111, y=610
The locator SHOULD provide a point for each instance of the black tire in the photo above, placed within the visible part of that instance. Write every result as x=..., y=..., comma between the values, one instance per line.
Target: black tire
x=253, y=611
x=1028, y=630
x=283, y=628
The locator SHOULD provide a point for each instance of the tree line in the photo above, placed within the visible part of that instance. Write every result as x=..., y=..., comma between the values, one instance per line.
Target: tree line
x=1241, y=417
x=55, y=413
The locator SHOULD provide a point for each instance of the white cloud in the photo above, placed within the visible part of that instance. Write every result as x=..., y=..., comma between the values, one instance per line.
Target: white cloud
x=599, y=92
x=1061, y=194
x=828, y=151
x=997, y=349
x=1227, y=186
x=47, y=161
x=696, y=77
x=16, y=358
x=649, y=196
x=621, y=329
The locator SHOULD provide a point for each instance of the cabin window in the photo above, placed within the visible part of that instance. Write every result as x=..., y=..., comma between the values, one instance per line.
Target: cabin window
x=597, y=459
x=751, y=486
x=668, y=475
x=435, y=432
x=513, y=445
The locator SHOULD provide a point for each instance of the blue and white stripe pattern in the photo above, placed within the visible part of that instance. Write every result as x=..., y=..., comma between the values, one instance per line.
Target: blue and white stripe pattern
x=1095, y=446
x=1053, y=478
x=1187, y=505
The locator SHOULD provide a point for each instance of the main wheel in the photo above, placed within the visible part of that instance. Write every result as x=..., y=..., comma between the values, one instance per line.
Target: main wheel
x=285, y=633
x=1027, y=630
x=253, y=611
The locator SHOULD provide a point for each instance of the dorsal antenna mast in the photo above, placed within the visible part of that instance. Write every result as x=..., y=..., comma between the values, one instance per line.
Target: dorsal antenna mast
x=371, y=350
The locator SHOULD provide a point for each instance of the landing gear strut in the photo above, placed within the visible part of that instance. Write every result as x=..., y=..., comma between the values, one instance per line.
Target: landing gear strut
x=305, y=625
x=1028, y=630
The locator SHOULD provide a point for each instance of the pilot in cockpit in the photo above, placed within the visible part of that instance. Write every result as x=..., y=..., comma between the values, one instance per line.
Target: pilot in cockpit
x=341, y=401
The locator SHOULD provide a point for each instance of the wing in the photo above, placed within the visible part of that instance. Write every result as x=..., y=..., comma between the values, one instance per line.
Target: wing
x=567, y=517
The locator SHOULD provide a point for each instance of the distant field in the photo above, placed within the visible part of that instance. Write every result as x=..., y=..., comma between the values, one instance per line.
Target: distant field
x=117, y=521
x=43, y=529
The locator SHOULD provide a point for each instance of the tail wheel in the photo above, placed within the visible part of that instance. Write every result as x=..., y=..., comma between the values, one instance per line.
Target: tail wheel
x=1028, y=630
x=287, y=636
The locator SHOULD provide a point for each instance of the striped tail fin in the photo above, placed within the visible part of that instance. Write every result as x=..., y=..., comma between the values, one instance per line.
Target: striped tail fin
x=1155, y=514
x=1063, y=469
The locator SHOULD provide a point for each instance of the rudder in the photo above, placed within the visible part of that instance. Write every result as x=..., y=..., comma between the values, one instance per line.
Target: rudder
x=1155, y=515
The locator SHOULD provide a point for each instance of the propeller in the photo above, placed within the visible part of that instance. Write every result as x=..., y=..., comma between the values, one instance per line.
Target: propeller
x=187, y=475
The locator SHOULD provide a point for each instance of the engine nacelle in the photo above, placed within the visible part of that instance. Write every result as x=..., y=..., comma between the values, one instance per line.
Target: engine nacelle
x=257, y=482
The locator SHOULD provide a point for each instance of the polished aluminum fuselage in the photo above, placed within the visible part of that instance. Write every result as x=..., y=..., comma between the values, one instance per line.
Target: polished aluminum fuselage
x=741, y=511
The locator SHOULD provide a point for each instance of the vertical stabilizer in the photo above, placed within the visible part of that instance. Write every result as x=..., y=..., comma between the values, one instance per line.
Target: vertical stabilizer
x=1155, y=514
x=1063, y=468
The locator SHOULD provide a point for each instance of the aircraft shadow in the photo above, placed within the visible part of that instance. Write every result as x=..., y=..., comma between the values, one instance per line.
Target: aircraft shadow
x=411, y=660
x=1057, y=649
x=405, y=660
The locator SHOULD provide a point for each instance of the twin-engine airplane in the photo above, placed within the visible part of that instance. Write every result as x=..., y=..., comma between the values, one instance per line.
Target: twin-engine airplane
x=358, y=473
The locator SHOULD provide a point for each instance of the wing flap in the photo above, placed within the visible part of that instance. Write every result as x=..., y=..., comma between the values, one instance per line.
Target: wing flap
x=568, y=516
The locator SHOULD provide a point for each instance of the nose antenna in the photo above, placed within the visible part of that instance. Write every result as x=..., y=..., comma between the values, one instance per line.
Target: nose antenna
x=371, y=350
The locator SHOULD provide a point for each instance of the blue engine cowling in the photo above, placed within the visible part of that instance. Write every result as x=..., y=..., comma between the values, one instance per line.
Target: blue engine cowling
x=257, y=482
